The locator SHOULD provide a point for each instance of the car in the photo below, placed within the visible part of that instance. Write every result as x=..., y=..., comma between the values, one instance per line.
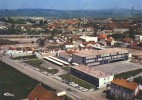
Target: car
x=68, y=89
x=8, y=94
x=44, y=72
x=49, y=74
x=91, y=89
x=59, y=78
x=80, y=88
x=37, y=69
x=84, y=90
x=50, y=68
x=55, y=76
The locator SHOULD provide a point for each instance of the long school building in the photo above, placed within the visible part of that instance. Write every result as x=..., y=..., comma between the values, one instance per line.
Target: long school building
x=93, y=76
x=98, y=57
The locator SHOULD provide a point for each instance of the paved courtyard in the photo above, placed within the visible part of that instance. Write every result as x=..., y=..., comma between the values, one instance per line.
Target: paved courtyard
x=118, y=67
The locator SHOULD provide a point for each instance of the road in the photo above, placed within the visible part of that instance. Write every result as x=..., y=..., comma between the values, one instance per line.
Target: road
x=48, y=80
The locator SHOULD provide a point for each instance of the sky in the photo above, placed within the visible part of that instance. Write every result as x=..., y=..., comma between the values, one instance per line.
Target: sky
x=70, y=4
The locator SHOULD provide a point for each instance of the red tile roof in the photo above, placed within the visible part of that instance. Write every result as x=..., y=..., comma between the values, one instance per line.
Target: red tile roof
x=91, y=42
x=109, y=39
x=71, y=52
x=126, y=84
x=102, y=36
x=42, y=94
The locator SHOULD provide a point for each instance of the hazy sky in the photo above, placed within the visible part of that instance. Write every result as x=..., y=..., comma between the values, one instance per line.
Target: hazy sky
x=70, y=4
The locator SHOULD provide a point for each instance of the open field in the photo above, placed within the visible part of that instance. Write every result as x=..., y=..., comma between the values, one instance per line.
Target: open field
x=14, y=82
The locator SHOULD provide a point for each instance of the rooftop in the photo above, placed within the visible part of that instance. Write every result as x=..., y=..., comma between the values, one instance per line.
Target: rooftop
x=126, y=84
x=65, y=55
x=89, y=53
x=91, y=71
x=102, y=36
x=84, y=37
x=40, y=93
x=91, y=42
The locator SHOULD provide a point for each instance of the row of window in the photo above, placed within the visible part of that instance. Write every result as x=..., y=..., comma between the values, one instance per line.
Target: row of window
x=91, y=57
x=105, y=55
x=105, y=58
x=96, y=63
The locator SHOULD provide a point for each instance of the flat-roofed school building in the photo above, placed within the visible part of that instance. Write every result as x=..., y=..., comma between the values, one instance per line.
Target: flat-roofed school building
x=98, y=57
x=93, y=76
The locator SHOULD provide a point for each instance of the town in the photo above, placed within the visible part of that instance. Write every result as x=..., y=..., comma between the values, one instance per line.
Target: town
x=82, y=58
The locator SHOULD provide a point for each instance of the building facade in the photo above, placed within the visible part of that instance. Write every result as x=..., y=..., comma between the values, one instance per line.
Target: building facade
x=95, y=77
x=138, y=38
x=98, y=57
x=122, y=89
x=88, y=38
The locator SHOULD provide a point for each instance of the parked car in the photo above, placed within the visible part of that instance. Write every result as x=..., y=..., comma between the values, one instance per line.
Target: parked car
x=37, y=69
x=44, y=72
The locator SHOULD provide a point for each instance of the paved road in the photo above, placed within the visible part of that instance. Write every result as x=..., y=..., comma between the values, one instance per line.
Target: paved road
x=118, y=67
x=138, y=75
x=48, y=80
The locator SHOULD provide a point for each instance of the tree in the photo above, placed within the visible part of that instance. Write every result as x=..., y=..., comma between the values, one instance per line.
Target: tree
x=41, y=22
x=41, y=42
x=138, y=80
x=132, y=33
x=118, y=36
x=45, y=21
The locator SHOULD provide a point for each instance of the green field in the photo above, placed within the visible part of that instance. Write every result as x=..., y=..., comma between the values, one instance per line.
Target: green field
x=66, y=68
x=128, y=74
x=77, y=81
x=35, y=63
x=16, y=83
x=25, y=57
x=138, y=79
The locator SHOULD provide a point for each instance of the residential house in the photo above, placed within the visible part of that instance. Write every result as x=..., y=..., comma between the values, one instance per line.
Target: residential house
x=85, y=38
x=122, y=89
x=68, y=46
x=90, y=44
x=110, y=41
x=138, y=38
x=40, y=93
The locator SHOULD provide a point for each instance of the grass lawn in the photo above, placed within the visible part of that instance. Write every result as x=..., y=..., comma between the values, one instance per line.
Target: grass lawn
x=77, y=81
x=126, y=75
x=38, y=62
x=138, y=79
x=66, y=68
x=25, y=57
x=52, y=71
x=14, y=82
x=35, y=62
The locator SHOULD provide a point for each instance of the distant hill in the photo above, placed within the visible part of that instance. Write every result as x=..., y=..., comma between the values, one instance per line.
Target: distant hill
x=71, y=13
